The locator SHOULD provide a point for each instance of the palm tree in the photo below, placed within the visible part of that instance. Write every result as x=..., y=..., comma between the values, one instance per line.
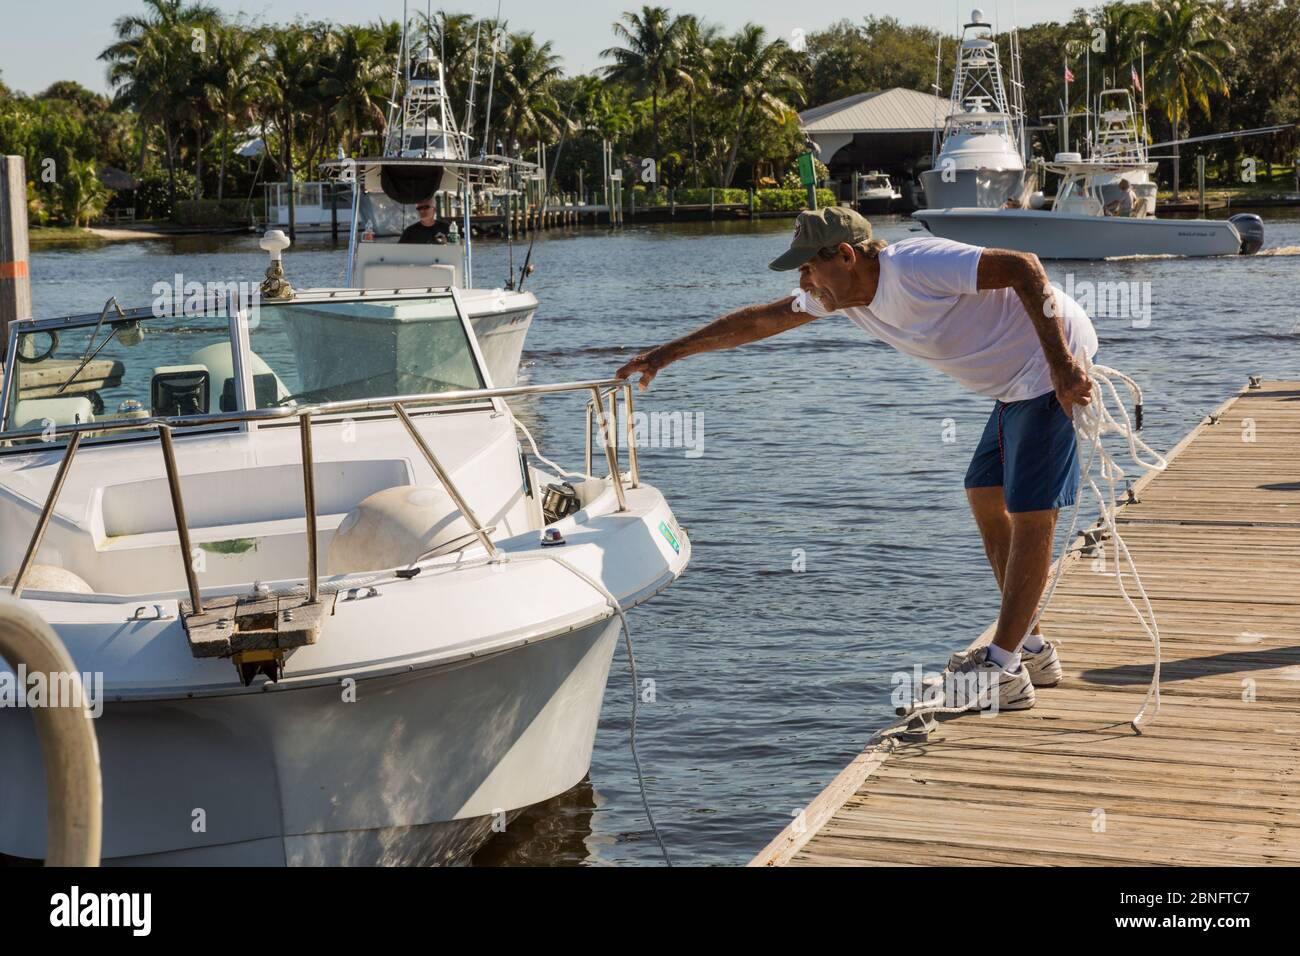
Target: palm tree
x=151, y=66
x=352, y=81
x=651, y=61
x=288, y=72
x=1123, y=24
x=696, y=52
x=524, y=79
x=83, y=195
x=233, y=85
x=1185, y=55
x=759, y=77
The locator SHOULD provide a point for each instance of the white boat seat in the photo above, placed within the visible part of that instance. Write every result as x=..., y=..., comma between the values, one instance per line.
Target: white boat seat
x=263, y=493
x=245, y=524
x=396, y=265
x=382, y=276
x=62, y=410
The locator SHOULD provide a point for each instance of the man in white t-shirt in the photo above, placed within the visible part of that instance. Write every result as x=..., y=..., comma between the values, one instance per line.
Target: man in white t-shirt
x=989, y=319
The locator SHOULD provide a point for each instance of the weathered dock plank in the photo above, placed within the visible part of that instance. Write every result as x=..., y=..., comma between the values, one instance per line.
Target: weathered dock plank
x=1215, y=780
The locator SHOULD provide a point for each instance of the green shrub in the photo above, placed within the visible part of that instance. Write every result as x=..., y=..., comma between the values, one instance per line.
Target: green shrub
x=151, y=199
x=213, y=212
x=789, y=200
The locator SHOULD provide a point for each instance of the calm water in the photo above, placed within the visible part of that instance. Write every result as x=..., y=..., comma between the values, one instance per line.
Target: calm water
x=819, y=446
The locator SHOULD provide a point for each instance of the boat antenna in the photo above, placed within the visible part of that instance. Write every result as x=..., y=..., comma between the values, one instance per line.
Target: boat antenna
x=1142, y=86
x=1087, y=99
x=938, y=67
x=1065, y=122
x=492, y=75
x=564, y=134
x=394, y=105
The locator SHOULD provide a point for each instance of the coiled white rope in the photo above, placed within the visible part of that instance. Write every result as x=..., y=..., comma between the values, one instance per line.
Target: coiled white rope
x=1092, y=423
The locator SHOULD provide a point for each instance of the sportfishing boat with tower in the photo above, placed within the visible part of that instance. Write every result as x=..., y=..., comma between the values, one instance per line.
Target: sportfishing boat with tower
x=981, y=153
x=1093, y=215
x=428, y=161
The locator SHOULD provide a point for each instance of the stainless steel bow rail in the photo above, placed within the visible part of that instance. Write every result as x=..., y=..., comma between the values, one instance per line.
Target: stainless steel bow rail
x=270, y=624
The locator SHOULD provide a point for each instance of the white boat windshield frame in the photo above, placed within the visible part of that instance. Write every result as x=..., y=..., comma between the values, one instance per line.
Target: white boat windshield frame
x=102, y=329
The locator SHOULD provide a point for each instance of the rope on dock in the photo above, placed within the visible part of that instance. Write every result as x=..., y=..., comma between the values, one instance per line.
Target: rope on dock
x=1092, y=423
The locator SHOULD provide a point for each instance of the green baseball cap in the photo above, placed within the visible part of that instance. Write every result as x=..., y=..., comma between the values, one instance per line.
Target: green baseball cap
x=817, y=229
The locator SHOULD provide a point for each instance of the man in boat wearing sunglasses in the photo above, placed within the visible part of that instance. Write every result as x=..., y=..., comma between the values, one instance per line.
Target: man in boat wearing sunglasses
x=428, y=228
x=989, y=319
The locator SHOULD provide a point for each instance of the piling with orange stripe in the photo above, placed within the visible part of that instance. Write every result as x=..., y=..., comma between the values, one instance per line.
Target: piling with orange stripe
x=15, y=284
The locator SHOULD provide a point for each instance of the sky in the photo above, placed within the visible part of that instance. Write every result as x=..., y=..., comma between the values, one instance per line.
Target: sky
x=52, y=40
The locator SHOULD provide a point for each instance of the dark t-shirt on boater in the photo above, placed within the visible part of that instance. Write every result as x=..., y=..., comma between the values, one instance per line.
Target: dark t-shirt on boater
x=419, y=232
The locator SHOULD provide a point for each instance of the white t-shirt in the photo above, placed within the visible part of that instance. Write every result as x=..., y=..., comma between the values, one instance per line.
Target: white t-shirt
x=927, y=306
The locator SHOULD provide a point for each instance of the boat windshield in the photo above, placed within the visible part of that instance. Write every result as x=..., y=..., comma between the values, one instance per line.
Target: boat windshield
x=139, y=366
x=302, y=352
x=305, y=352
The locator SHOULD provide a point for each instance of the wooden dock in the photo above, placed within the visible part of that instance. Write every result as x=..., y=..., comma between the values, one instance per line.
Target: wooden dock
x=1214, y=780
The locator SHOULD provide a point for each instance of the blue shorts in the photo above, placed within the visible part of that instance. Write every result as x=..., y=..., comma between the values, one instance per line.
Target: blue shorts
x=1028, y=449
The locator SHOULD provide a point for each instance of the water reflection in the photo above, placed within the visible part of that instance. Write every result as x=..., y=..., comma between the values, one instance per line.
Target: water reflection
x=553, y=833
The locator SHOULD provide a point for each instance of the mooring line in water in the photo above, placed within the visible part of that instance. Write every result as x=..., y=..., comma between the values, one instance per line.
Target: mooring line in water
x=612, y=601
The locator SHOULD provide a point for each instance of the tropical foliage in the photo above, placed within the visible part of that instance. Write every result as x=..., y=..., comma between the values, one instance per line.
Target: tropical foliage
x=204, y=105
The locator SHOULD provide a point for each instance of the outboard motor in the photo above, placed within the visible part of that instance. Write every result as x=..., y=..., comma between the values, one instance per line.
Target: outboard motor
x=1251, y=230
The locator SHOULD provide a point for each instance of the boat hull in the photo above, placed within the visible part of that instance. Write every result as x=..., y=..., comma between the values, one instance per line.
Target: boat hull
x=501, y=325
x=973, y=188
x=419, y=768
x=1050, y=235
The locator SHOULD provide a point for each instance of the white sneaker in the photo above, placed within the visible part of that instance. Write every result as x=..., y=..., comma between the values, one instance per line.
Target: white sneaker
x=1044, y=665
x=976, y=683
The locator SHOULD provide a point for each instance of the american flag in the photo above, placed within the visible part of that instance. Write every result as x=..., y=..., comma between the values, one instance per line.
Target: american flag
x=1137, y=83
x=1069, y=77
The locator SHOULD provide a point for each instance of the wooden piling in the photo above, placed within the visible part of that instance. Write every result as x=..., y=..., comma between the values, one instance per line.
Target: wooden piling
x=15, y=280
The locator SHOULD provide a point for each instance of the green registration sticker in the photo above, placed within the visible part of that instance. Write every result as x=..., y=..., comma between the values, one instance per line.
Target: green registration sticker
x=669, y=536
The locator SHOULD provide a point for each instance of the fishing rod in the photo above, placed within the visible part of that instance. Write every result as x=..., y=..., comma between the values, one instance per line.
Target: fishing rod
x=1231, y=135
x=559, y=150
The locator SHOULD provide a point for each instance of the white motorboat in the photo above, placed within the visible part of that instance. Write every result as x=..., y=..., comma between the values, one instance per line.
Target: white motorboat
x=875, y=192
x=1090, y=216
x=338, y=614
x=1059, y=234
x=426, y=159
x=981, y=160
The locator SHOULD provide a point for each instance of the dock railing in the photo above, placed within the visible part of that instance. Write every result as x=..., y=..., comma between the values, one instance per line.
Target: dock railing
x=605, y=417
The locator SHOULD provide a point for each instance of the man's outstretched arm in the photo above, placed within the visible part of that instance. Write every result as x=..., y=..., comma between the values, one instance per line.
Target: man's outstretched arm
x=745, y=325
x=1002, y=269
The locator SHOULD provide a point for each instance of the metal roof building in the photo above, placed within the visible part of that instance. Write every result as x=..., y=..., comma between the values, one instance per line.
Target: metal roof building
x=887, y=130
